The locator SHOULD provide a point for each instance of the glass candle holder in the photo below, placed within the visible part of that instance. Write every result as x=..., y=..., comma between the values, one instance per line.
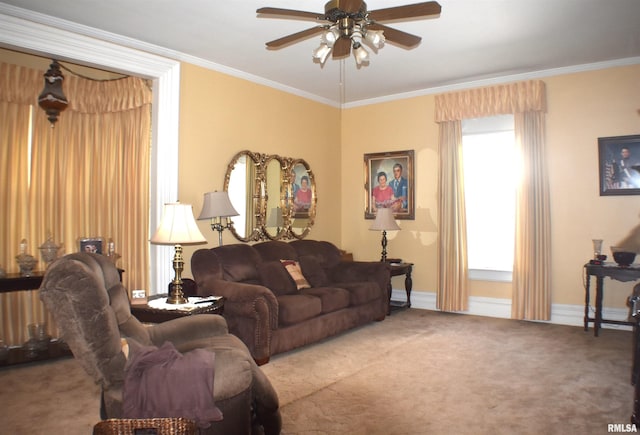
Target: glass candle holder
x=597, y=248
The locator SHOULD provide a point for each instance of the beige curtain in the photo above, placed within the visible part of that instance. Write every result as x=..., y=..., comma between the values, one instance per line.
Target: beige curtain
x=452, y=242
x=88, y=177
x=531, y=274
x=532, y=262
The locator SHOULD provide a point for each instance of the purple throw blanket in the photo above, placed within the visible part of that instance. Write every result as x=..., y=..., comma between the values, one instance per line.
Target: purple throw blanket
x=162, y=382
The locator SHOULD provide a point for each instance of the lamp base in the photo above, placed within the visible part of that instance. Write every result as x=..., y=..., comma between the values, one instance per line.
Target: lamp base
x=176, y=297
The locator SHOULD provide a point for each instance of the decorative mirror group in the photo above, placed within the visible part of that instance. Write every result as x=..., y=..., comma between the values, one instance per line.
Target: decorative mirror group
x=275, y=196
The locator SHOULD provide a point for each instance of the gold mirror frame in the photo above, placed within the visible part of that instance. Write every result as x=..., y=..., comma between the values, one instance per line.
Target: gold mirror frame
x=247, y=201
x=302, y=210
x=272, y=212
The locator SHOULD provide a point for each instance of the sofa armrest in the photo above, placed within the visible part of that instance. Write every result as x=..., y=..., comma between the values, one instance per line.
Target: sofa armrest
x=353, y=271
x=251, y=311
x=184, y=329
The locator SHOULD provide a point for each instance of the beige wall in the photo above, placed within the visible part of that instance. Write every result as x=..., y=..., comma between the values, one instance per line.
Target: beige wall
x=581, y=108
x=221, y=115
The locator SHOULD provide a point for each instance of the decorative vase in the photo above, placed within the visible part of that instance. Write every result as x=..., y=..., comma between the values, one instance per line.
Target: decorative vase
x=27, y=263
x=38, y=340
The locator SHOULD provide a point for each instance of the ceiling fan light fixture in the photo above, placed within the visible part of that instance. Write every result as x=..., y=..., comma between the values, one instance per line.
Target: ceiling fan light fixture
x=375, y=38
x=360, y=53
x=330, y=36
x=348, y=23
x=321, y=53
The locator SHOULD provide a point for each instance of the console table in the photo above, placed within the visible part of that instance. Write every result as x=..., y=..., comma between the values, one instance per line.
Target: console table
x=600, y=271
x=12, y=282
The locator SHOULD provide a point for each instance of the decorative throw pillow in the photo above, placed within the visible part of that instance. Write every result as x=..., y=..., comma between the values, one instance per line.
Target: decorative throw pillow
x=293, y=267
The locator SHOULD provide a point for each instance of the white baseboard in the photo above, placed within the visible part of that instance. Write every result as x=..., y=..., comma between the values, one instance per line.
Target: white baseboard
x=561, y=314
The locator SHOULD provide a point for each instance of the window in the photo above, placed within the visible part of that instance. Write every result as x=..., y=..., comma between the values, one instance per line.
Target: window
x=490, y=167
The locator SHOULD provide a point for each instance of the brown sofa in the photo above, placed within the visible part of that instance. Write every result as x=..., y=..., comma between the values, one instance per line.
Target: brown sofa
x=264, y=306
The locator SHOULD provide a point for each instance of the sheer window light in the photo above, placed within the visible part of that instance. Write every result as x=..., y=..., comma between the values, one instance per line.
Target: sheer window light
x=490, y=176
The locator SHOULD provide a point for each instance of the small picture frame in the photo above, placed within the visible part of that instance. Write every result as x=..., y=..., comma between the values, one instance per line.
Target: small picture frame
x=389, y=182
x=619, y=162
x=91, y=244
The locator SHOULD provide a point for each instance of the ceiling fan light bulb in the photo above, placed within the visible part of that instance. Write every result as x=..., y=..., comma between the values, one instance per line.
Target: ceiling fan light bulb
x=375, y=38
x=360, y=54
x=330, y=37
x=321, y=53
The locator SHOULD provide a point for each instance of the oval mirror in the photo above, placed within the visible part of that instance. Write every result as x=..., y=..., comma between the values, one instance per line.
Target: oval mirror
x=244, y=185
x=302, y=189
x=274, y=197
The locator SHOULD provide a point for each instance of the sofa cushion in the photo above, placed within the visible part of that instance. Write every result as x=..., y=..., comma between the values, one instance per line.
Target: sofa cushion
x=275, y=250
x=294, y=309
x=360, y=292
x=239, y=263
x=293, y=268
x=332, y=298
x=313, y=271
x=275, y=277
x=327, y=252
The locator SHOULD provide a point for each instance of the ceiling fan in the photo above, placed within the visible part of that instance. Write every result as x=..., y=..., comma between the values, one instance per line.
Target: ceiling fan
x=348, y=23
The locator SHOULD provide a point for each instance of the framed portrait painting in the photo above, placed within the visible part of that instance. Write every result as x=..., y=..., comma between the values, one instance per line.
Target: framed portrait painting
x=389, y=183
x=619, y=161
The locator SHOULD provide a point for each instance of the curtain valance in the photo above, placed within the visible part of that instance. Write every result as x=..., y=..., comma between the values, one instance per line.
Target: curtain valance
x=84, y=95
x=518, y=97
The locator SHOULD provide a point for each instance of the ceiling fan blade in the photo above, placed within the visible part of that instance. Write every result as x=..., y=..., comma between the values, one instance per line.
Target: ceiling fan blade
x=417, y=10
x=350, y=6
x=294, y=37
x=290, y=13
x=341, y=48
x=404, y=39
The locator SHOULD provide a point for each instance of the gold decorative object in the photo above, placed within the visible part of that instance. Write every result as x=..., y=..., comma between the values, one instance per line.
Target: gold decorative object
x=111, y=251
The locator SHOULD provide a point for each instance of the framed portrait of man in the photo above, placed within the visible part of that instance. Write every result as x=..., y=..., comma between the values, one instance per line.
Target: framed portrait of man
x=619, y=165
x=389, y=183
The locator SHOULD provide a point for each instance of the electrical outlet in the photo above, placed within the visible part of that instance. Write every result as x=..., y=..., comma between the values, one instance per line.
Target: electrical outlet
x=138, y=296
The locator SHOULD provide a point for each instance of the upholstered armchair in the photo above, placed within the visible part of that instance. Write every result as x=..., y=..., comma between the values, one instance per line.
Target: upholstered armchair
x=92, y=310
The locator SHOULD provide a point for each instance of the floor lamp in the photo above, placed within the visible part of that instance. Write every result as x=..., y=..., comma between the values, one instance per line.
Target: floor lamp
x=177, y=227
x=384, y=222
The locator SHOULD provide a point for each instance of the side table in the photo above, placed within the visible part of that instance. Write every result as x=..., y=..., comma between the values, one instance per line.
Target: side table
x=147, y=314
x=600, y=271
x=398, y=269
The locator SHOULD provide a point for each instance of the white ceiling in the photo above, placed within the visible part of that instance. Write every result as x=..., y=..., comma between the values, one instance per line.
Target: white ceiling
x=473, y=41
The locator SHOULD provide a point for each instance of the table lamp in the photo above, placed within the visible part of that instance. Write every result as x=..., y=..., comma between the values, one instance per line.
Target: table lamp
x=177, y=227
x=217, y=207
x=384, y=222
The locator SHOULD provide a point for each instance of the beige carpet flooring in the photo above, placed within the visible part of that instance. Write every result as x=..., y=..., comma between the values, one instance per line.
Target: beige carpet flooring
x=417, y=372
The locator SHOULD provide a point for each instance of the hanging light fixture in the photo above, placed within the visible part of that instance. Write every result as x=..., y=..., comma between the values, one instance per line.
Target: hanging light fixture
x=348, y=24
x=52, y=99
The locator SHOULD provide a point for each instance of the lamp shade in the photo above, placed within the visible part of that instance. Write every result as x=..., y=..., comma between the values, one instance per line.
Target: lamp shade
x=217, y=204
x=384, y=221
x=177, y=226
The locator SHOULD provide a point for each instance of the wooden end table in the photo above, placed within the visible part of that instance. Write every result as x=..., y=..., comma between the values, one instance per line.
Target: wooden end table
x=398, y=269
x=147, y=314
